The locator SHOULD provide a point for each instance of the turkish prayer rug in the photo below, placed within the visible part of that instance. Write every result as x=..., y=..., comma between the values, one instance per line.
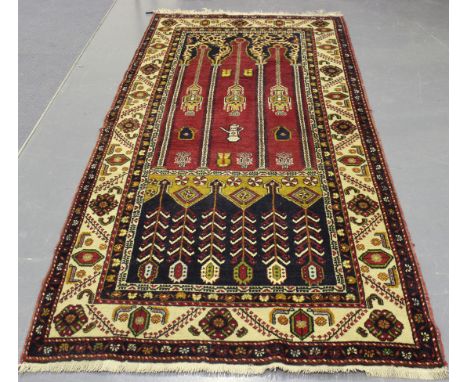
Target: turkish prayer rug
x=237, y=216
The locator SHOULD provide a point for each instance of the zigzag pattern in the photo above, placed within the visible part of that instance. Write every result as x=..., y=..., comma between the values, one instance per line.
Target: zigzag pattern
x=243, y=237
x=308, y=236
x=275, y=237
x=212, y=235
x=308, y=242
x=182, y=235
x=154, y=235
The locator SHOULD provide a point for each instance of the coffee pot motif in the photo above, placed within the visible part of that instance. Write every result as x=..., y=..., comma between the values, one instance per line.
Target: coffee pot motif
x=233, y=132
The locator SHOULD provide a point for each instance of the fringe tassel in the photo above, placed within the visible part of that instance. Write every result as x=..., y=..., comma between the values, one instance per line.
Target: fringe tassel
x=186, y=367
x=207, y=11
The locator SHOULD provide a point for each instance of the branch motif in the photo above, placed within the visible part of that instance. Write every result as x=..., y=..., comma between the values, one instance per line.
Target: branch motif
x=153, y=237
x=243, y=246
x=308, y=243
x=275, y=240
x=212, y=236
x=181, y=244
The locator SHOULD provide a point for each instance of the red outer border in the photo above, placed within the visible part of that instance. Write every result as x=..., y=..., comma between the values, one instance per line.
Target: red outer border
x=77, y=193
x=393, y=191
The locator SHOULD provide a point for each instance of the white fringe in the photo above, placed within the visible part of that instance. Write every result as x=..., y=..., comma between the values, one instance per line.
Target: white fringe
x=187, y=367
x=207, y=11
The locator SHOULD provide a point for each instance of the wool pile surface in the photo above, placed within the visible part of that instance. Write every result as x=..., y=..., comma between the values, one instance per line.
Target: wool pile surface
x=237, y=215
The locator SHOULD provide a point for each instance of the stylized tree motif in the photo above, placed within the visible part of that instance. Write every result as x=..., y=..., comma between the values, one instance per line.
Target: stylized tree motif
x=308, y=243
x=243, y=246
x=153, y=237
x=181, y=244
x=275, y=240
x=212, y=236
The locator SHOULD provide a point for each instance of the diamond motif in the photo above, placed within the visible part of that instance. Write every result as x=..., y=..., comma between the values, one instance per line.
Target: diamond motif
x=139, y=320
x=352, y=160
x=244, y=196
x=376, y=258
x=218, y=324
x=302, y=324
x=363, y=205
x=87, y=257
x=117, y=159
x=188, y=194
x=304, y=196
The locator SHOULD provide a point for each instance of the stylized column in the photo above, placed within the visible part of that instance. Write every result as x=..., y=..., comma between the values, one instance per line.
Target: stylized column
x=170, y=117
x=260, y=116
x=208, y=117
x=235, y=100
x=279, y=101
x=300, y=113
